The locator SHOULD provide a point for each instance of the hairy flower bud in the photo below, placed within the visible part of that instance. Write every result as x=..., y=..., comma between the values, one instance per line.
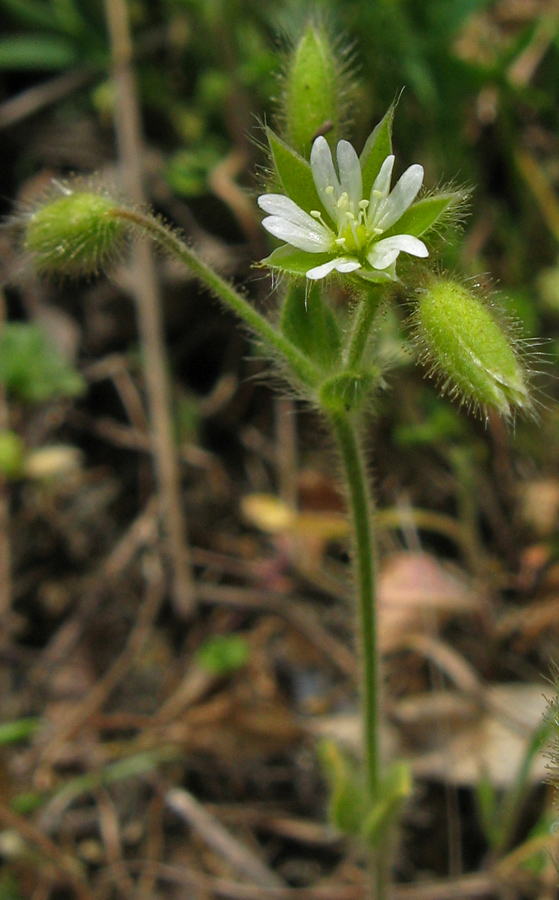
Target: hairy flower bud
x=74, y=234
x=314, y=89
x=469, y=351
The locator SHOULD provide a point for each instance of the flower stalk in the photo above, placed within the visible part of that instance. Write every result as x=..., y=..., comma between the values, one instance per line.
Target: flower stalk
x=167, y=239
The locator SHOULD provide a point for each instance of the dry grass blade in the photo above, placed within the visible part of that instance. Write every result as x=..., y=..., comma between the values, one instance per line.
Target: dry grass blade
x=220, y=839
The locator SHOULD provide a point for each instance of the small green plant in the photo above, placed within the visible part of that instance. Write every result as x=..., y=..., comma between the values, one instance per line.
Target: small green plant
x=341, y=223
x=31, y=369
x=223, y=654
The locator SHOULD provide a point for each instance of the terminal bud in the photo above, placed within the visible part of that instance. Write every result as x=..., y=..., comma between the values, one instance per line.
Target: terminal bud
x=315, y=88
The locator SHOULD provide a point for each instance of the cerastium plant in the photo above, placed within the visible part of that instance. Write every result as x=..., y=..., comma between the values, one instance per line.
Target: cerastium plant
x=342, y=218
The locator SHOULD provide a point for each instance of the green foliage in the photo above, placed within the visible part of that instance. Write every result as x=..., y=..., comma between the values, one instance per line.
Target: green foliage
x=377, y=147
x=9, y=887
x=371, y=819
x=62, y=33
x=18, y=731
x=348, y=391
x=312, y=326
x=31, y=370
x=223, y=654
x=347, y=799
x=500, y=812
x=12, y=450
x=294, y=173
x=187, y=171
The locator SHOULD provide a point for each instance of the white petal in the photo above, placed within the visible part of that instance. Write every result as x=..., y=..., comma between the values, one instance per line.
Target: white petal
x=347, y=265
x=402, y=197
x=340, y=264
x=382, y=181
x=380, y=190
x=314, y=240
x=324, y=176
x=351, y=180
x=285, y=208
x=384, y=253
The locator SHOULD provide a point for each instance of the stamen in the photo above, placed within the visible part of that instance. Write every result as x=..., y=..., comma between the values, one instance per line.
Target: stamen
x=316, y=214
x=343, y=202
x=377, y=231
x=329, y=190
x=363, y=204
x=377, y=194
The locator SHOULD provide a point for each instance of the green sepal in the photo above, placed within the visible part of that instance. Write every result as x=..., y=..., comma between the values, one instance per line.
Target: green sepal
x=309, y=323
x=395, y=789
x=420, y=217
x=346, y=806
x=348, y=391
x=294, y=262
x=294, y=173
x=377, y=147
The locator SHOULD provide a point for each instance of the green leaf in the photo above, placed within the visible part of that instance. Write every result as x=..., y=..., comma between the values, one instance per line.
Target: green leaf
x=347, y=797
x=377, y=147
x=294, y=262
x=422, y=215
x=31, y=369
x=486, y=797
x=309, y=323
x=19, y=730
x=381, y=818
x=294, y=172
x=69, y=19
x=22, y=52
x=33, y=13
x=348, y=391
x=223, y=653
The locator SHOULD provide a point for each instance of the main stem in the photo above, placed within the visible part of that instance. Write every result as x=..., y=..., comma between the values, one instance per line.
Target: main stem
x=360, y=330
x=360, y=509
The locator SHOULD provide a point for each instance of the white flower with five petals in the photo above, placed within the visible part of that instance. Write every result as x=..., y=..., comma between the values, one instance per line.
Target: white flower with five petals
x=350, y=228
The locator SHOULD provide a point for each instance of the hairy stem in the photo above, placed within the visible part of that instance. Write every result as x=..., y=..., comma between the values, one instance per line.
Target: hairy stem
x=361, y=328
x=360, y=510
x=258, y=324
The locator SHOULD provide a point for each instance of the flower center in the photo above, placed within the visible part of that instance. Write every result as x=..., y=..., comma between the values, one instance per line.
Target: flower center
x=354, y=232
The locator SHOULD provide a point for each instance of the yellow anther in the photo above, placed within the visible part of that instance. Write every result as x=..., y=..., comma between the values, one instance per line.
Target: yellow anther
x=329, y=190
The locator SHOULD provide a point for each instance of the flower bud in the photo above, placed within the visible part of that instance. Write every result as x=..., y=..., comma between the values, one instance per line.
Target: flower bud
x=314, y=89
x=468, y=349
x=74, y=234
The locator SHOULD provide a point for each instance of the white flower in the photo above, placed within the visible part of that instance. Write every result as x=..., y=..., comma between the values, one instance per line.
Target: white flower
x=351, y=232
